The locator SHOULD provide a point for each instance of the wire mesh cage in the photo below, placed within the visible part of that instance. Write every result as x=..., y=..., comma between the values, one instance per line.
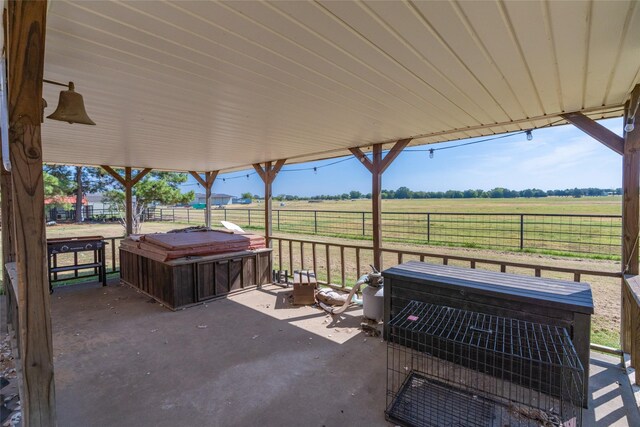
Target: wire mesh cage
x=452, y=367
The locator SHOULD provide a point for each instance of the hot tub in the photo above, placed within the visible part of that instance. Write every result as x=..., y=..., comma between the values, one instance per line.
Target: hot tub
x=183, y=269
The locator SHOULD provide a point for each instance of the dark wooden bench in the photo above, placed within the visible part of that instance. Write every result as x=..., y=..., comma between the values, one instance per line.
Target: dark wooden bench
x=534, y=299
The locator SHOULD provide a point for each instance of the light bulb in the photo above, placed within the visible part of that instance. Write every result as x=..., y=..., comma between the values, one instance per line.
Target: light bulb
x=529, y=135
x=224, y=179
x=630, y=126
x=315, y=170
x=431, y=153
x=247, y=177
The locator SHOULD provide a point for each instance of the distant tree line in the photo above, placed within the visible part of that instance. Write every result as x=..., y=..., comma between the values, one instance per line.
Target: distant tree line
x=496, y=193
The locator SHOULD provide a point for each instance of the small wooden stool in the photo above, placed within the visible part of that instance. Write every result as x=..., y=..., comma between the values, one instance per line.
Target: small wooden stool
x=304, y=287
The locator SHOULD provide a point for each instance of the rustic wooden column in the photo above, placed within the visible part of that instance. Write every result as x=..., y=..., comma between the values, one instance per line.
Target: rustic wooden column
x=207, y=183
x=377, y=166
x=26, y=44
x=8, y=243
x=128, y=182
x=631, y=189
x=628, y=147
x=630, y=217
x=128, y=202
x=268, y=175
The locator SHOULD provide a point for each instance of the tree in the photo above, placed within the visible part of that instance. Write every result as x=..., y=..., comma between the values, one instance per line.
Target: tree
x=155, y=188
x=246, y=195
x=78, y=181
x=52, y=186
x=355, y=194
x=403, y=193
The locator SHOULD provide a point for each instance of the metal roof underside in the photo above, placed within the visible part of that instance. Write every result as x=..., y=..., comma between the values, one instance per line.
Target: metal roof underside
x=221, y=85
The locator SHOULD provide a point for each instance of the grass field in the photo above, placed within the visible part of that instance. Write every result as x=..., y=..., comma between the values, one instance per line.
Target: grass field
x=609, y=205
x=527, y=225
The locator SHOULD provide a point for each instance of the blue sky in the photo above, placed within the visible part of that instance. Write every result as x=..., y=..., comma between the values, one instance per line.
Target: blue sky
x=556, y=158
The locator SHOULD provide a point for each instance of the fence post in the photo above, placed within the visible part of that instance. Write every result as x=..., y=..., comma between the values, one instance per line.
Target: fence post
x=521, y=231
x=278, y=215
x=188, y=220
x=428, y=227
x=315, y=221
x=363, y=221
x=173, y=212
x=249, y=214
x=225, y=214
x=161, y=214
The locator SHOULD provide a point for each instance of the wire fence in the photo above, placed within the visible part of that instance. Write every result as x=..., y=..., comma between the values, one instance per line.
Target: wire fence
x=561, y=234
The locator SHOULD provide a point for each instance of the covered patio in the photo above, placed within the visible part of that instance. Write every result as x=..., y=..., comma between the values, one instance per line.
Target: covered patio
x=253, y=358
x=209, y=88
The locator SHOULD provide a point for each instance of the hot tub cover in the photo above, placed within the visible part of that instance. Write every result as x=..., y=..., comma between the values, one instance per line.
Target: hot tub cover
x=169, y=246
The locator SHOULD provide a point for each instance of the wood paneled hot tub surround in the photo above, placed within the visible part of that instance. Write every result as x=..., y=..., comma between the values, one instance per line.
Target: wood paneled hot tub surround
x=183, y=282
x=182, y=269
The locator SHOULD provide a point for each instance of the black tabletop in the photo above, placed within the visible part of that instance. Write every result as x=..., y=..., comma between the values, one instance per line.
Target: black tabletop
x=563, y=294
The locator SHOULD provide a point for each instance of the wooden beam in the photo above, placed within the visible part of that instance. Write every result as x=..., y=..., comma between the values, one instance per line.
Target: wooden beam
x=128, y=201
x=393, y=153
x=26, y=46
x=377, y=166
x=596, y=131
x=363, y=158
x=115, y=175
x=260, y=171
x=276, y=169
x=376, y=201
x=207, y=183
x=209, y=178
x=140, y=175
x=631, y=191
x=268, y=204
x=630, y=212
x=268, y=175
x=8, y=243
x=198, y=178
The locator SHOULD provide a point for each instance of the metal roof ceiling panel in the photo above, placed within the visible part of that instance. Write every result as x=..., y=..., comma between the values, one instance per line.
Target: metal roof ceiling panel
x=220, y=85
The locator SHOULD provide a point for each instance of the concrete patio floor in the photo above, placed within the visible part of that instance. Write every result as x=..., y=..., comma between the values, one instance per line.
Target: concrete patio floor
x=251, y=359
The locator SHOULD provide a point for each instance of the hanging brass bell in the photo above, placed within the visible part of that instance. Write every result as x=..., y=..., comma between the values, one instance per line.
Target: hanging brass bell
x=71, y=108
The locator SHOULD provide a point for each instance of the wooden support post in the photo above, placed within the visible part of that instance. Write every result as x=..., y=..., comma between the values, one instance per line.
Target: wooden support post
x=207, y=183
x=376, y=208
x=8, y=243
x=26, y=45
x=628, y=146
x=128, y=201
x=377, y=166
x=268, y=175
x=630, y=210
x=128, y=182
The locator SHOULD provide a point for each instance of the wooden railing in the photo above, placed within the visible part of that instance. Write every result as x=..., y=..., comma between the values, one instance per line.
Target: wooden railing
x=631, y=321
x=340, y=264
x=537, y=270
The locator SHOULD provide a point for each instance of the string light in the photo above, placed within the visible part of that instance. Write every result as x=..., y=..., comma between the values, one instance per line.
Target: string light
x=247, y=177
x=431, y=151
x=631, y=118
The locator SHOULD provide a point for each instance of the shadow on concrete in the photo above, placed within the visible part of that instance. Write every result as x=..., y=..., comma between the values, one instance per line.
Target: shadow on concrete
x=121, y=361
